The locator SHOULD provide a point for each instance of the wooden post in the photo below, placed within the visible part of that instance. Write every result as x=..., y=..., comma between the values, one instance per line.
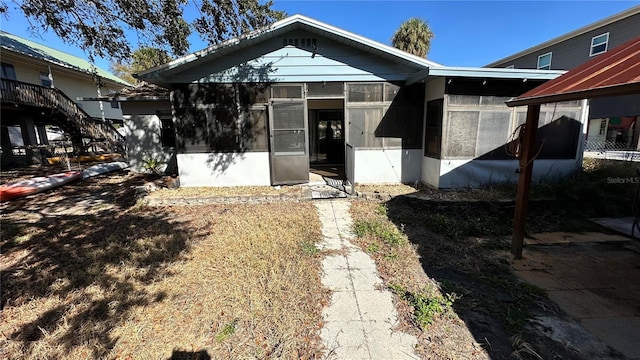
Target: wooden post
x=528, y=152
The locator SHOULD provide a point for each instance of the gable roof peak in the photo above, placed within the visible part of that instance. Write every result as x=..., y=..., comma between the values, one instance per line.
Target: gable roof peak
x=296, y=21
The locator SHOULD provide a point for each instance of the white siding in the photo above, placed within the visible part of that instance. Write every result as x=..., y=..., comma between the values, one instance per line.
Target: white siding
x=224, y=169
x=142, y=130
x=387, y=166
x=73, y=84
x=430, y=171
x=481, y=173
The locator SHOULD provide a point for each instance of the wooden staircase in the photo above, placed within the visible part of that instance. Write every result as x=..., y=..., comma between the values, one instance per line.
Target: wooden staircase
x=77, y=122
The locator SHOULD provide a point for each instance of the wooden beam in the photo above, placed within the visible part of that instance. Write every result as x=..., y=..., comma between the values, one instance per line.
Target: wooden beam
x=527, y=155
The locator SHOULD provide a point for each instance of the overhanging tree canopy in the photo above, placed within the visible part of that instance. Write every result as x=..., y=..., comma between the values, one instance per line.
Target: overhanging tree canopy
x=106, y=28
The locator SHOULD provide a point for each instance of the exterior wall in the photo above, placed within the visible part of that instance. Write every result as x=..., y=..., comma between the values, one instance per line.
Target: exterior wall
x=142, y=129
x=224, y=169
x=435, y=89
x=272, y=61
x=430, y=167
x=575, y=51
x=387, y=166
x=430, y=171
x=482, y=173
x=73, y=84
x=477, y=128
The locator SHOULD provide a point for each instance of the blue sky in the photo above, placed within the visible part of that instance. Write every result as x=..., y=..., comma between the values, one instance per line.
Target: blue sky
x=467, y=33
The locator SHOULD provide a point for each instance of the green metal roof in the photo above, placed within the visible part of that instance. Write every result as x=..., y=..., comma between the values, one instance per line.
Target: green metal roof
x=30, y=48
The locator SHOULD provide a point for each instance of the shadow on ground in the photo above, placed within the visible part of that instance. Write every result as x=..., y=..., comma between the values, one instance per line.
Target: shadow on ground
x=87, y=265
x=463, y=246
x=190, y=355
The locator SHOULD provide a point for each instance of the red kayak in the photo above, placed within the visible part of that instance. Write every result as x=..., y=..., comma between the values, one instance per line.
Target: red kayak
x=35, y=185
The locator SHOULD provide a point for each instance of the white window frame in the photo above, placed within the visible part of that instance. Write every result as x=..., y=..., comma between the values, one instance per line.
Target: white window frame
x=44, y=78
x=606, y=44
x=540, y=57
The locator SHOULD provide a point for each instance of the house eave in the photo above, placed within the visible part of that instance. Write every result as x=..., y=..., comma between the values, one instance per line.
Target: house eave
x=484, y=73
x=605, y=91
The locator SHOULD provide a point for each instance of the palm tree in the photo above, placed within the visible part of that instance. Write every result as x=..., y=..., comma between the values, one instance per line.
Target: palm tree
x=413, y=36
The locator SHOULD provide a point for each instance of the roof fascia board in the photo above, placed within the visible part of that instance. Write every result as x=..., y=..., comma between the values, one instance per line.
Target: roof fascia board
x=616, y=90
x=417, y=77
x=604, y=22
x=496, y=73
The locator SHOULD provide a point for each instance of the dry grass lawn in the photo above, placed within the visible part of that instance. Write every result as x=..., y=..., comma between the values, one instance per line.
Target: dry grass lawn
x=204, y=192
x=424, y=308
x=448, y=267
x=232, y=281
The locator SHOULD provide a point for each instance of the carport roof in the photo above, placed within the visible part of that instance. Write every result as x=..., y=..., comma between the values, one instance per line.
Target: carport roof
x=614, y=73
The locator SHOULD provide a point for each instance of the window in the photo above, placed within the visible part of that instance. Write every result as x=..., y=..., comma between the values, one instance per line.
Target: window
x=363, y=122
x=45, y=80
x=603, y=127
x=365, y=92
x=510, y=67
x=254, y=129
x=303, y=42
x=599, y=44
x=167, y=130
x=114, y=103
x=286, y=92
x=8, y=72
x=325, y=89
x=544, y=61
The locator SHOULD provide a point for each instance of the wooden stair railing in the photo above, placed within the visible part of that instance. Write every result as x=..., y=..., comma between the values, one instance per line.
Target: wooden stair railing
x=21, y=93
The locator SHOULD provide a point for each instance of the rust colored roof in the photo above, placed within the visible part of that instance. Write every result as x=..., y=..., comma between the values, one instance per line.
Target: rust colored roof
x=616, y=72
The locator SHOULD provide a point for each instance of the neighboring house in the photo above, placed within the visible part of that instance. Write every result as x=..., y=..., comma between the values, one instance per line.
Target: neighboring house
x=300, y=95
x=39, y=87
x=613, y=122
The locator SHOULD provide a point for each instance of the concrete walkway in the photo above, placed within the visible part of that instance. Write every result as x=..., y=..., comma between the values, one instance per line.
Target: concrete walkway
x=358, y=323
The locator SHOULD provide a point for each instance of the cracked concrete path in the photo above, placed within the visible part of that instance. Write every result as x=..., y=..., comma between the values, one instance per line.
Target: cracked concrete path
x=359, y=320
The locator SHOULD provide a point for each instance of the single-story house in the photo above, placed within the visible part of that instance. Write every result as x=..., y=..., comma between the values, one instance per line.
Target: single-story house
x=300, y=95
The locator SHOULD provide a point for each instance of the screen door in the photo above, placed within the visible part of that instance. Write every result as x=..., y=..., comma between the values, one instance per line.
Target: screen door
x=289, y=142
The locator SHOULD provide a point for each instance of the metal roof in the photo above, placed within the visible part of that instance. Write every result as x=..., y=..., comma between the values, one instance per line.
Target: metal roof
x=485, y=73
x=598, y=24
x=32, y=49
x=280, y=27
x=613, y=73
